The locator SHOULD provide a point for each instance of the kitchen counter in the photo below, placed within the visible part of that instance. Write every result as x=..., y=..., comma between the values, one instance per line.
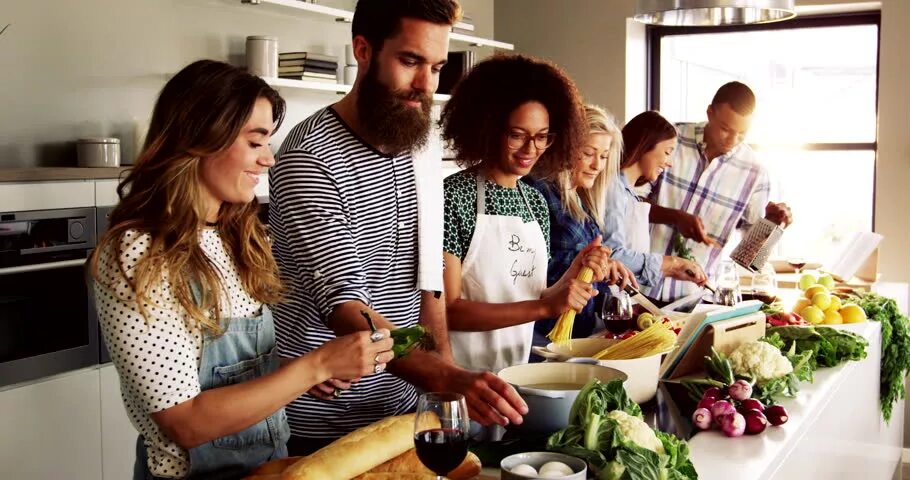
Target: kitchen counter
x=835, y=431
x=42, y=174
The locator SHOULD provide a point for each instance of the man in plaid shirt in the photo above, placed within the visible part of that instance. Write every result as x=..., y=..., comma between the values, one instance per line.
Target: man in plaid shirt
x=715, y=187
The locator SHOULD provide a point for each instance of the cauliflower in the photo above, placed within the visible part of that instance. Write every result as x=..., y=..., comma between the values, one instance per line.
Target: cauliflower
x=637, y=431
x=760, y=360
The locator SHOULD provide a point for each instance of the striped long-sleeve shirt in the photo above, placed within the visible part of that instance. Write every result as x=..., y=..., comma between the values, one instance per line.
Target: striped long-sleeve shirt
x=728, y=193
x=343, y=217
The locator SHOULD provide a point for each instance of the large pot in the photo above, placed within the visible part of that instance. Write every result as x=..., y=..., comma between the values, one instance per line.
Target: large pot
x=644, y=373
x=549, y=389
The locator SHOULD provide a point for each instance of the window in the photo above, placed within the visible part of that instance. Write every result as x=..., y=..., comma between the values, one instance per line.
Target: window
x=814, y=128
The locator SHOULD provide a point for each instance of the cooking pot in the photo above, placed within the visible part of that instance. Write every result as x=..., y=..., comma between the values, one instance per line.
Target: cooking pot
x=549, y=389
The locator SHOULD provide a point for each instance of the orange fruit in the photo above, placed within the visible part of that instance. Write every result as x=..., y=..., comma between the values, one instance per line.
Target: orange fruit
x=833, y=318
x=811, y=291
x=852, y=313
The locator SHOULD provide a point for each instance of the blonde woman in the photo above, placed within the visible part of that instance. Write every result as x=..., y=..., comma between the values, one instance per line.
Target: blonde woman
x=181, y=282
x=575, y=198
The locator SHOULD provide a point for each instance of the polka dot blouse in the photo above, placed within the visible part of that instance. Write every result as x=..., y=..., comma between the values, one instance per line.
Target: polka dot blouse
x=158, y=360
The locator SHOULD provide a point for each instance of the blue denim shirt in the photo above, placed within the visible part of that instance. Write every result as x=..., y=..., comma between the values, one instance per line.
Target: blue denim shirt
x=568, y=236
x=620, y=199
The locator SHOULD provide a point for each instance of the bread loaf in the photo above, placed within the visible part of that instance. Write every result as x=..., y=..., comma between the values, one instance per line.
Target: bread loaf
x=409, y=462
x=275, y=466
x=360, y=450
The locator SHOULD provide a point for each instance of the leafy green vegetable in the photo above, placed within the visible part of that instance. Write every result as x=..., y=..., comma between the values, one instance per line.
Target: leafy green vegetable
x=680, y=248
x=408, y=338
x=895, y=347
x=830, y=347
x=787, y=385
x=598, y=439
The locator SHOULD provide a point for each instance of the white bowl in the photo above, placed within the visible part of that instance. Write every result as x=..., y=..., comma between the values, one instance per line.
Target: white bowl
x=644, y=373
x=537, y=460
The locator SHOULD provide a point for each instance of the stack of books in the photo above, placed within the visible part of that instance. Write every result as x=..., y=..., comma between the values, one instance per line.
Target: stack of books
x=315, y=67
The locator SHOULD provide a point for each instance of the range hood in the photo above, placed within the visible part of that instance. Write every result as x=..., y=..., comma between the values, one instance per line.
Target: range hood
x=709, y=13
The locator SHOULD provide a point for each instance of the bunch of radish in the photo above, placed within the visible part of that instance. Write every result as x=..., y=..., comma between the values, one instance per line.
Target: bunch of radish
x=735, y=412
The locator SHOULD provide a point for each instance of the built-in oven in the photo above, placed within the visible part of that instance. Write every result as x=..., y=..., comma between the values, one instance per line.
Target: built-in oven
x=47, y=323
x=102, y=220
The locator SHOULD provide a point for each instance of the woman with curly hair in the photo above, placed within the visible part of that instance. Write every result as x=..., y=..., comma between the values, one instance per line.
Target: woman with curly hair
x=575, y=196
x=508, y=115
x=181, y=282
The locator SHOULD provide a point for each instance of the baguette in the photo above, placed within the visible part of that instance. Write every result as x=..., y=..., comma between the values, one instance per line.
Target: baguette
x=409, y=462
x=396, y=476
x=360, y=450
x=275, y=466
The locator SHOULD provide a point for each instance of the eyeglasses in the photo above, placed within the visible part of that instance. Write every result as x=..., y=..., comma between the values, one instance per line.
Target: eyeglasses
x=518, y=140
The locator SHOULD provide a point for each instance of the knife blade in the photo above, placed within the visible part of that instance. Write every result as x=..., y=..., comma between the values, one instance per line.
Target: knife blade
x=644, y=302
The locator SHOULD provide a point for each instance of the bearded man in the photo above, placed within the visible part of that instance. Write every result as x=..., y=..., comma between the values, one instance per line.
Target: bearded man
x=343, y=216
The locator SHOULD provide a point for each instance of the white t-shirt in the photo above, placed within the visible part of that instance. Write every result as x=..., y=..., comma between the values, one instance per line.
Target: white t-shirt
x=158, y=360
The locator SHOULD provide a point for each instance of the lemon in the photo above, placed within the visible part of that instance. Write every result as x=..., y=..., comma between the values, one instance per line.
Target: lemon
x=833, y=318
x=806, y=281
x=821, y=300
x=813, y=315
x=801, y=304
x=826, y=281
x=835, y=303
x=815, y=289
x=852, y=313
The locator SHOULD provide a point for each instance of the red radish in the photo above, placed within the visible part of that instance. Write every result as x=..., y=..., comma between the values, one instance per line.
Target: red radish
x=702, y=418
x=776, y=415
x=740, y=390
x=755, y=421
x=712, y=392
x=721, y=408
x=751, y=404
x=733, y=425
x=706, y=402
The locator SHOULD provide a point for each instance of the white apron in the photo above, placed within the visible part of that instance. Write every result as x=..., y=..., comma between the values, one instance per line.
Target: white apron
x=505, y=263
x=638, y=227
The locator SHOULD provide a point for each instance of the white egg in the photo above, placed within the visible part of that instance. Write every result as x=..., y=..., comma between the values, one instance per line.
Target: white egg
x=555, y=469
x=524, y=469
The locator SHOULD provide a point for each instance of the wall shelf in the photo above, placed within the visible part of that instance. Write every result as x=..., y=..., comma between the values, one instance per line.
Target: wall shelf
x=346, y=16
x=326, y=87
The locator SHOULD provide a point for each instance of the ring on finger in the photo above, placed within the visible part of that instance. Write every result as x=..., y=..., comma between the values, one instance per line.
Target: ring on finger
x=336, y=392
x=376, y=336
x=379, y=368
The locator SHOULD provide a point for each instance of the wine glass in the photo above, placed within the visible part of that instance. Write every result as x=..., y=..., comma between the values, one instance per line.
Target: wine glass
x=797, y=263
x=441, y=431
x=616, y=311
x=727, y=290
x=764, y=287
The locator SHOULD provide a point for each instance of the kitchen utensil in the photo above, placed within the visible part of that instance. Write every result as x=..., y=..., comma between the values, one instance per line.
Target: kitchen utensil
x=444, y=448
x=537, y=460
x=98, y=152
x=644, y=302
x=707, y=286
x=549, y=389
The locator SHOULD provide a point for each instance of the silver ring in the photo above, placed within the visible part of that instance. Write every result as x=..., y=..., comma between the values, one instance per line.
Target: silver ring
x=376, y=336
x=336, y=392
x=379, y=368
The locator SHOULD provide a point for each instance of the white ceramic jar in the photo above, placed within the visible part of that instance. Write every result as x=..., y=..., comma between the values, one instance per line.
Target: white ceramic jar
x=262, y=55
x=98, y=152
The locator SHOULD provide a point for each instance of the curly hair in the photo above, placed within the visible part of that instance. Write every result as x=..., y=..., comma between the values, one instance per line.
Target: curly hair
x=475, y=118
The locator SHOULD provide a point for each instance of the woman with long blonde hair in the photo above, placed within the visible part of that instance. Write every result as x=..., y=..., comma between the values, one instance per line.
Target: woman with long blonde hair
x=575, y=193
x=182, y=278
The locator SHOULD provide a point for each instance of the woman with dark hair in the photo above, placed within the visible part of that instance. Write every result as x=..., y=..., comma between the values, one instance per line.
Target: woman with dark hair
x=508, y=115
x=181, y=280
x=648, y=144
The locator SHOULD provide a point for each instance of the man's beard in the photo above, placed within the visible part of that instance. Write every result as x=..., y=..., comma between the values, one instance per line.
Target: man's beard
x=389, y=121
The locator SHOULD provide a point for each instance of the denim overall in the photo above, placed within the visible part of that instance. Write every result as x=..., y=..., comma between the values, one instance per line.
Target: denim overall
x=245, y=351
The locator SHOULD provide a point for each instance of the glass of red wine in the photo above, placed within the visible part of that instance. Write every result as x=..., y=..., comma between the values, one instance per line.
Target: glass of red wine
x=441, y=431
x=797, y=263
x=617, y=311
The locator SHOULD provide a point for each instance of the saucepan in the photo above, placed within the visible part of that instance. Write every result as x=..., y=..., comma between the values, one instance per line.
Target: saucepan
x=549, y=389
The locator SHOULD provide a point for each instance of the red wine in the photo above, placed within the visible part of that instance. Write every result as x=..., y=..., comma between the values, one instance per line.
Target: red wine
x=441, y=449
x=618, y=324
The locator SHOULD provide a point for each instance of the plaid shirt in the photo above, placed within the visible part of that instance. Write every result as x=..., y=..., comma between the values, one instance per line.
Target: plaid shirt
x=728, y=193
x=567, y=237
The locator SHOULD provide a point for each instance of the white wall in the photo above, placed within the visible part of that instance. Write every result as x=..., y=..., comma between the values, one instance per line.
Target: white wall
x=94, y=67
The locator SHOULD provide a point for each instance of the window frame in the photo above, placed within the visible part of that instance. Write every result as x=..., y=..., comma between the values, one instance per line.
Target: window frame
x=656, y=33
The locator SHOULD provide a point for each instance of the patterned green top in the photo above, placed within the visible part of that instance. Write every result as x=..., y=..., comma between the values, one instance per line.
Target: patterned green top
x=460, y=191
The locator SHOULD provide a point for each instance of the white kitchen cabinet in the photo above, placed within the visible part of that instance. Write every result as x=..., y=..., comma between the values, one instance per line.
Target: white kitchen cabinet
x=118, y=437
x=52, y=428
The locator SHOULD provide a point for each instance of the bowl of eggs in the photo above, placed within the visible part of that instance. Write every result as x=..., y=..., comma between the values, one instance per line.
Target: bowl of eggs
x=526, y=465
